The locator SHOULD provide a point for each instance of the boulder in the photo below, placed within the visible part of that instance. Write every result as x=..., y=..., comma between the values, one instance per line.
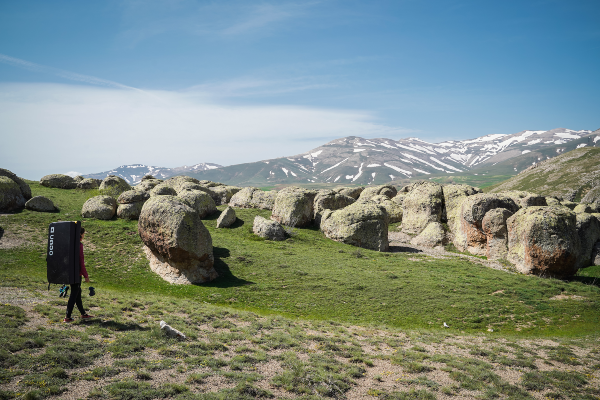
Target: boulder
x=40, y=203
x=130, y=210
x=227, y=218
x=199, y=201
x=552, y=201
x=422, y=205
x=267, y=229
x=433, y=235
x=468, y=232
x=177, y=182
x=596, y=254
x=362, y=224
x=78, y=178
x=353, y=192
x=58, y=181
x=588, y=230
x=89, y=183
x=133, y=196
x=518, y=195
x=399, y=198
x=11, y=197
x=329, y=200
x=584, y=208
x=265, y=200
x=222, y=194
x=163, y=189
x=593, y=196
x=569, y=204
x=25, y=189
x=147, y=177
x=148, y=184
x=453, y=197
x=99, y=207
x=393, y=209
x=544, y=241
x=533, y=200
x=294, y=206
x=114, y=185
x=177, y=244
x=494, y=227
x=385, y=190
x=243, y=198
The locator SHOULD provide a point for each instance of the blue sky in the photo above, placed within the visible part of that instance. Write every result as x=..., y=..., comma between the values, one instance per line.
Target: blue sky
x=89, y=85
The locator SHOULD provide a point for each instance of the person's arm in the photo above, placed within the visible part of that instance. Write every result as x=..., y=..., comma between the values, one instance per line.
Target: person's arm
x=82, y=270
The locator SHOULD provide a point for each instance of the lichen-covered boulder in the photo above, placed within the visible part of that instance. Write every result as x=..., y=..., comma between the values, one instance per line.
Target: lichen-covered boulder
x=199, y=201
x=294, y=206
x=11, y=197
x=114, y=185
x=243, y=198
x=78, y=178
x=177, y=244
x=433, y=235
x=362, y=224
x=59, y=181
x=422, y=205
x=552, y=201
x=593, y=196
x=133, y=196
x=468, y=232
x=222, y=194
x=353, y=192
x=227, y=218
x=494, y=227
x=40, y=204
x=399, y=198
x=533, y=200
x=265, y=200
x=177, y=182
x=588, y=230
x=584, y=208
x=162, y=189
x=267, y=229
x=99, y=207
x=89, y=183
x=544, y=241
x=453, y=197
x=329, y=200
x=130, y=210
x=569, y=204
x=518, y=195
x=394, y=210
x=147, y=177
x=25, y=189
x=385, y=190
x=147, y=185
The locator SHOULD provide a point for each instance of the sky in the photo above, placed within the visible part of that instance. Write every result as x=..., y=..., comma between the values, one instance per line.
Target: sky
x=86, y=86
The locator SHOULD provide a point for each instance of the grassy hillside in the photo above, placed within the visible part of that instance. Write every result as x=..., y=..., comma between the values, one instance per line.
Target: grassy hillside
x=305, y=318
x=576, y=170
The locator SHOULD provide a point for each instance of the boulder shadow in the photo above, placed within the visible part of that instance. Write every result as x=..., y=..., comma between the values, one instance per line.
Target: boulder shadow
x=226, y=278
x=588, y=280
x=238, y=223
x=404, y=249
x=1, y=232
x=117, y=326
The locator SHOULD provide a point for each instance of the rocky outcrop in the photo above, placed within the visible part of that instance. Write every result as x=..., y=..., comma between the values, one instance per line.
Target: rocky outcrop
x=267, y=229
x=433, y=235
x=494, y=227
x=588, y=230
x=114, y=185
x=89, y=183
x=385, y=190
x=393, y=209
x=199, y=200
x=40, y=204
x=593, y=196
x=177, y=244
x=353, y=192
x=227, y=218
x=58, y=181
x=422, y=205
x=294, y=207
x=544, y=241
x=99, y=207
x=329, y=200
x=468, y=232
x=251, y=197
x=453, y=197
x=23, y=186
x=11, y=197
x=362, y=224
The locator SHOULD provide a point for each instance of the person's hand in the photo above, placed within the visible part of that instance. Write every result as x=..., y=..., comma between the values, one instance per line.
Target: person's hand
x=87, y=280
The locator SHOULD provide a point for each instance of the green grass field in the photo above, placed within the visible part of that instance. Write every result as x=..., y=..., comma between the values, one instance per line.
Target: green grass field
x=304, y=284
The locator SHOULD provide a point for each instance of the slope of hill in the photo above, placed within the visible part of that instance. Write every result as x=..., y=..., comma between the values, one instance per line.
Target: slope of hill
x=355, y=160
x=135, y=172
x=574, y=172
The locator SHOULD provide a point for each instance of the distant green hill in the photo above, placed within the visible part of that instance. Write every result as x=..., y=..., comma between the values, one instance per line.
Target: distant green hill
x=575, y=171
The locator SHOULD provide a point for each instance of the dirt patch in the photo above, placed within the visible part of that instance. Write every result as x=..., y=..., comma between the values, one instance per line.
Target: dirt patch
x=9, y=240
x=567, y=297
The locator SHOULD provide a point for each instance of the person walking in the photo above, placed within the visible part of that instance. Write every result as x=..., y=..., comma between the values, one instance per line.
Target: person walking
x=75, y=297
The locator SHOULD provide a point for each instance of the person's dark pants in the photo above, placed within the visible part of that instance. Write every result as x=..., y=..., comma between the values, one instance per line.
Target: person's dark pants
x=75, y=298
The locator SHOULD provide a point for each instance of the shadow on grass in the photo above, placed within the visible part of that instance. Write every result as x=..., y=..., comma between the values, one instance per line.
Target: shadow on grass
x=588, y=280
x=404, y=249
x=226, y=278
x=1, y=232
x=117, y=326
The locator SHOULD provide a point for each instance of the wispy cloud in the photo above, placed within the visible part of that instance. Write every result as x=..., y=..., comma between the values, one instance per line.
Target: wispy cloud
x=260, y=16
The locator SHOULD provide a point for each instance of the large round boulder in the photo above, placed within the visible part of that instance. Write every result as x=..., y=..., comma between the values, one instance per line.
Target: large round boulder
x=40, y=204
x=394, y=210
x=25, y=189
x=89, y=183
x=162, y=189
x=544, y=241
x=227, y=218
x=222, y=194
x=59, y=181
x=494, y=227
x=353, y=192
x=422, y=205
x=147, y=185
x=434, y=235
x=114, y=185
x=362, y=224
x=130, y=210
x=133, y=196
x=99, y=207
x=329, y=200
x=177, y=244
x=294, y=206
x=453, y=197
x=267, y=229
x=588, y=230
x=385, y=190
x=11, y=197
x=199, y=201
x=468, y=231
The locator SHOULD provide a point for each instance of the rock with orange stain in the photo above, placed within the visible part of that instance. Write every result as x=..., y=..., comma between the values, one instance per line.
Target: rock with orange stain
x=494, y=227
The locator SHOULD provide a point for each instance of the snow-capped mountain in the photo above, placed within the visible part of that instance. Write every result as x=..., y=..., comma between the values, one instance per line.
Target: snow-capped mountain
x=372, y=161
x=134, y=173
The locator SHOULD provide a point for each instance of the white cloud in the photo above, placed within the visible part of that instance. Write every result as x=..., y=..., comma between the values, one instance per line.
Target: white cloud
x=49, y=128
x=73, y=174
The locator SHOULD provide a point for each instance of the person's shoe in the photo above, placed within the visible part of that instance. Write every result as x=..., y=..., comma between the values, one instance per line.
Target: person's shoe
x=67, y=319
x=86, y=316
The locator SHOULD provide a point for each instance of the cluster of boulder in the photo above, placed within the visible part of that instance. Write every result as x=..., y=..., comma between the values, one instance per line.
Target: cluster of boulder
x=61, y=181
x=15, y=194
